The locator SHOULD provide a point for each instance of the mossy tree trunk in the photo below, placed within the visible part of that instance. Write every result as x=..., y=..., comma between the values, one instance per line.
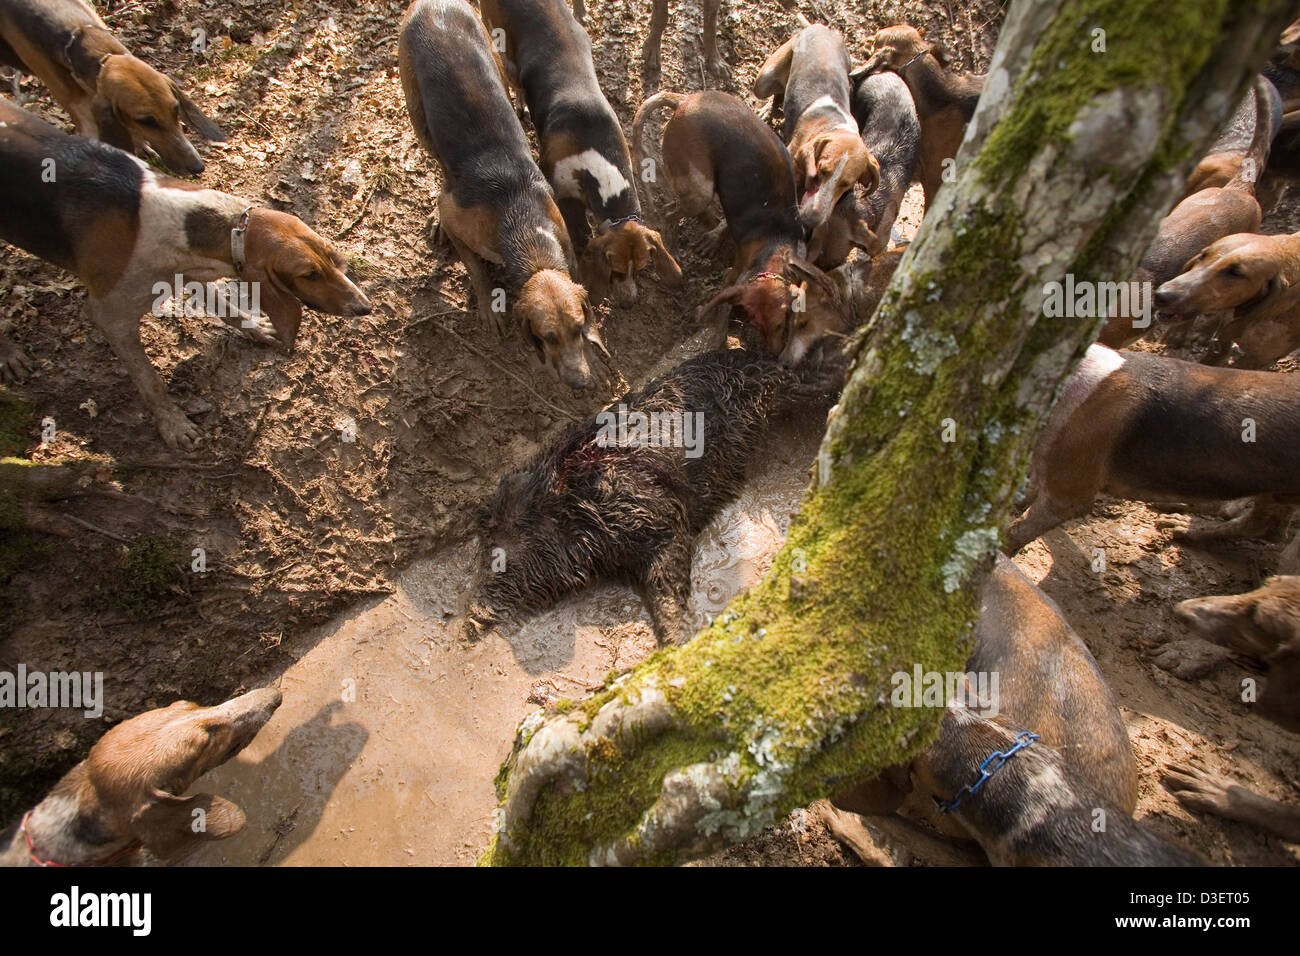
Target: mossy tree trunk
x=1082, y=141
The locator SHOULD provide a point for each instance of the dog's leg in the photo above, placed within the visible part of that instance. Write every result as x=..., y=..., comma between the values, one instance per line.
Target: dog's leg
x=1262, y=517
x=693, y=193
x=118, y=319
x=1037, y=520
x=709, y=243
x=1200, y=790
x=650, y=71
x=712, y=61
x=15, y=366
x=453, y=228
x=482, y=283
x=574, y=213
x=666, y=590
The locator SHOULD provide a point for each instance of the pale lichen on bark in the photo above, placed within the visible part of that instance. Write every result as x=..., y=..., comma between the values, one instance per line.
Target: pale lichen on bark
x=784, y=698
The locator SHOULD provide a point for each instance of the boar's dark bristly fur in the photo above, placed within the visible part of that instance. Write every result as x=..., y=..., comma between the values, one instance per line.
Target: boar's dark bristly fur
x=583, y=511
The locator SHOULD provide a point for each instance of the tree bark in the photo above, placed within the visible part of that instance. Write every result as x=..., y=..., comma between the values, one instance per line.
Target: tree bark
x=1070, y=161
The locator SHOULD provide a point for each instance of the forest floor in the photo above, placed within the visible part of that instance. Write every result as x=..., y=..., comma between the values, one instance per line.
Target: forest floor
x=299, y=526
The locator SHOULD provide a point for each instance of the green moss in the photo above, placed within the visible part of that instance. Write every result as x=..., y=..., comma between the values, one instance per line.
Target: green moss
x=880, y=568
x=1065, y=74
x=15, y=425
x=151, y=573
x=20, y=549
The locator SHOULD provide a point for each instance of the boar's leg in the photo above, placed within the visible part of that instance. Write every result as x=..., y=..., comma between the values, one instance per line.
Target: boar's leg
x=666, y=589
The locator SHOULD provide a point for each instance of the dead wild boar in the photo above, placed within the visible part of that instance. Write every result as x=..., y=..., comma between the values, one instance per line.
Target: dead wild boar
x=623, y=495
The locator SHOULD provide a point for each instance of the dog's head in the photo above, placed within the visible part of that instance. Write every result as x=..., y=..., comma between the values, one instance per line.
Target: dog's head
x=140, y=770
x=149, y=109
x=614, y=258
x=293, y=266
x=1228, y=273
x=828, y=166
x=558, y=320
x=818, y=310
x=892, y=49
x=1263, y=624
x=766, y=298
x=847, y=228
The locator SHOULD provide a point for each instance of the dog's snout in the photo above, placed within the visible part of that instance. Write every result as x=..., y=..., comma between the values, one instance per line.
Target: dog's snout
x=1164, y=297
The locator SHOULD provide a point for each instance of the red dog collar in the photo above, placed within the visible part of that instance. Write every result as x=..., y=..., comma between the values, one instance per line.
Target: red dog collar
x=112, y=858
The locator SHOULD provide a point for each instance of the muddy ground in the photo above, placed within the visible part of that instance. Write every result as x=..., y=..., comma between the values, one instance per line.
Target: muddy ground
x=300, y=527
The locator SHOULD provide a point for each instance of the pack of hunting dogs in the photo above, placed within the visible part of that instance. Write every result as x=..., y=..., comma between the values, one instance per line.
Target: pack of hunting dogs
x=808, y=208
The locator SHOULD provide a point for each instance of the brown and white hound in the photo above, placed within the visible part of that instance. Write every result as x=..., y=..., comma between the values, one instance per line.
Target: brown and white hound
x=495, y=206
x=112, y=96
x=809, y=73
x=128, y=794
x=584, y=155
x=127, y=231
x=716, y=146
x=945, y=101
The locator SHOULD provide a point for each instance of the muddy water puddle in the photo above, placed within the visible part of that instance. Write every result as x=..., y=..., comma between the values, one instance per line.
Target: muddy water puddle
x=393, y=727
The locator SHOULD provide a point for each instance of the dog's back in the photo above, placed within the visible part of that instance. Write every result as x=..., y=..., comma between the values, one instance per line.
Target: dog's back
x=1050, y=684
x=883, y=108
x=33, y=33
x=753, y=175
x=1185, y=434
x=59, y=191
x=458, y=103
x=552, y=54
x=819, y=67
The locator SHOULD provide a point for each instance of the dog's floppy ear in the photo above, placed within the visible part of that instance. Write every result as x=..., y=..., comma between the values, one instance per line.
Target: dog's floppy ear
x=870, y=178
x=938, y=51
x=728, y=296
x=275, y=297
x=817, y=276
x=861, y=235
x=533, y=340
x=169, y=825
x=111, y=128
x=197, y=119
x=591, y=331
x=1273, y=293
x=665, y=264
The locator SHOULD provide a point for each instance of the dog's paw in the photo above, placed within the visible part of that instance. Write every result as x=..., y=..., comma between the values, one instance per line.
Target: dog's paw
x=496, y=321
x=259, y=329
x=15, y=366
x=1189, y=659
x=178, y=431
x=1199, y=789
x=709, y=243
x=1180, y=525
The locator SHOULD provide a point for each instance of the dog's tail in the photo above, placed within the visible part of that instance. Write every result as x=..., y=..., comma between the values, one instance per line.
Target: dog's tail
x=657, y=102
x=1267, y=120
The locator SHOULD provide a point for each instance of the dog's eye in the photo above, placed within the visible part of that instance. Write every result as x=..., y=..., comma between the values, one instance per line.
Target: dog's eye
x=312, y=276
x=551, y=338
x=1236, y=270
x=147, y=121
